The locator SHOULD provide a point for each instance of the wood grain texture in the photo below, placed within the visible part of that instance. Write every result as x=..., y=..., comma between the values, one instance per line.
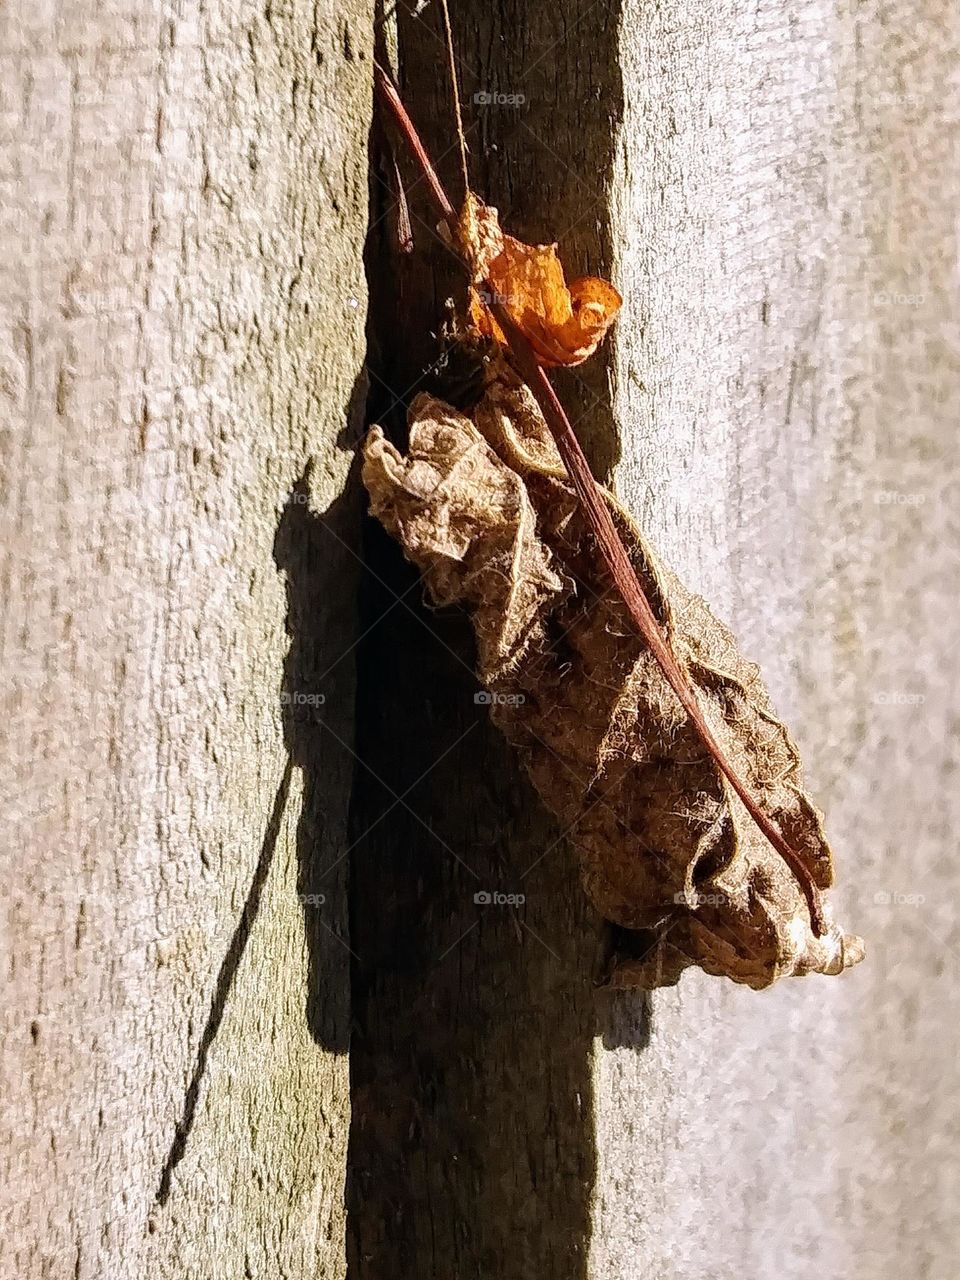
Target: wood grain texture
x=183, y=192
x=767, y=184
x=788, y=390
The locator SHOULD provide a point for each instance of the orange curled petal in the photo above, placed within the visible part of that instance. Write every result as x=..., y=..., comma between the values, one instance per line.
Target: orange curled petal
x=563, y=323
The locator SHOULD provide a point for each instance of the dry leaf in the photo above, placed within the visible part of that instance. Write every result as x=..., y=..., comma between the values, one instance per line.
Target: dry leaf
x=564, y=323
x=482, y=507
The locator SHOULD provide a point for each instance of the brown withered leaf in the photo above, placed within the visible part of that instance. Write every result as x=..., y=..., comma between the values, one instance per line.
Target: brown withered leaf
x=481, y=505
x=564, y=323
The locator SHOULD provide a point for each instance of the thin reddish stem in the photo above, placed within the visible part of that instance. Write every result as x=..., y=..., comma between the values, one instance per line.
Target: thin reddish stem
x=388, y=92
x=598, y=515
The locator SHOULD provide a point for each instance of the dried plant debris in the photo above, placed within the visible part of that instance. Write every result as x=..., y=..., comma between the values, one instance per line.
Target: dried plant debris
x=481, y=505
x=564, y=323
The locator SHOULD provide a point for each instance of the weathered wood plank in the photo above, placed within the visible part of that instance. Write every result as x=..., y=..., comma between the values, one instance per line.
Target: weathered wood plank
x=787, y=389
x=183, y=192
x=765, y=185
x=183, y=200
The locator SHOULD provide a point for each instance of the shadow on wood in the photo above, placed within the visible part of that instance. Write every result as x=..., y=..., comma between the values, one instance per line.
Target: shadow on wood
x=224, y=986
x=318, y=557
x=475, y=1014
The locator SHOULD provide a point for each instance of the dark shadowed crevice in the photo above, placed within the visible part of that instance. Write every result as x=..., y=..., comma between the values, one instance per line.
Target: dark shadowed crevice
x=473, y=1022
